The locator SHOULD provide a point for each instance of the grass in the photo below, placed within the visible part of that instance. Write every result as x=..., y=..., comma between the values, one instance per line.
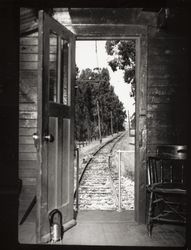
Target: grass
x=127, y=158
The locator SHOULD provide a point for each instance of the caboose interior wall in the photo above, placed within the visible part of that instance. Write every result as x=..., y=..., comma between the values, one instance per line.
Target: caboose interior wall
x=161, y=115
x=28, y=119
x=167, y=97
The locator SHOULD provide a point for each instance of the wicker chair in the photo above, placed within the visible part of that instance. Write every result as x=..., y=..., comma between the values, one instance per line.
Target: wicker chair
x=166, y=186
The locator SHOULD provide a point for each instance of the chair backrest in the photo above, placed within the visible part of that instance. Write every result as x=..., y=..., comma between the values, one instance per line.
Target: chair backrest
x=168, y=165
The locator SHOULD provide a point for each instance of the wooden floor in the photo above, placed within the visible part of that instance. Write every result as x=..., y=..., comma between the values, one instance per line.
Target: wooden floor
x=112, y=228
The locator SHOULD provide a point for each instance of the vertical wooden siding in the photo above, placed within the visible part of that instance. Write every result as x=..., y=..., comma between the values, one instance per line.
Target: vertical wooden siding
x=167, y=89
x=27, y=118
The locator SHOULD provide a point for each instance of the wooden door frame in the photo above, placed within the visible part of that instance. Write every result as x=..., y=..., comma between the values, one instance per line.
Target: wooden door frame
x=139, y=33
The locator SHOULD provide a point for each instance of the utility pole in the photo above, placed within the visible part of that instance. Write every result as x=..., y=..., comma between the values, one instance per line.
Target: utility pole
x=111, y=124
x=99, y=127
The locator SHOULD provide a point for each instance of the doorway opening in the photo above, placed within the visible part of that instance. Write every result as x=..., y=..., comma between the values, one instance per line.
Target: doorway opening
x=105, y=111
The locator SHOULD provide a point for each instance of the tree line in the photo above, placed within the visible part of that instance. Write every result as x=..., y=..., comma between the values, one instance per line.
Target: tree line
x=97, y=107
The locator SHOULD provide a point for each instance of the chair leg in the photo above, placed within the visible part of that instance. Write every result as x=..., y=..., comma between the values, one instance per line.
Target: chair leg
x=150, y=213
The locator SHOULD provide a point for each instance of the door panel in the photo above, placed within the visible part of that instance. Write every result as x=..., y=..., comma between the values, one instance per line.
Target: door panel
x=66, y=160
x=52, y=164
x=55, y=124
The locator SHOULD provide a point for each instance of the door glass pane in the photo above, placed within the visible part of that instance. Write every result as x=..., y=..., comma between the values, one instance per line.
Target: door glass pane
x=64, y=77
x=53, y=59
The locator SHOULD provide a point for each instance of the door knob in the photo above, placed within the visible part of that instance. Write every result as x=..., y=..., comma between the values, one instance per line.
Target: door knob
x=49, y=138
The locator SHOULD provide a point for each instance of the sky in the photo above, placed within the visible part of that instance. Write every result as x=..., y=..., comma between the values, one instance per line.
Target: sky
x=86, y=58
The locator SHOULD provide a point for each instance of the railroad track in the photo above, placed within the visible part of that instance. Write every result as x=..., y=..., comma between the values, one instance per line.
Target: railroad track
x=96, y=186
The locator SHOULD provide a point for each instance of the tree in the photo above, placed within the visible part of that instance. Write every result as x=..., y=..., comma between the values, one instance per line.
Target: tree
x=93, y=86
x=122, y=56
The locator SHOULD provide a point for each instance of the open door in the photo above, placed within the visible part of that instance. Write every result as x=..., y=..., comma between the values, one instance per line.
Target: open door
x=55, y=141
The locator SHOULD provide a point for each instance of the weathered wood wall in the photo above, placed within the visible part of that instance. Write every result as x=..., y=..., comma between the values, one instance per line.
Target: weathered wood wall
x=167, y=92
x=27, y=118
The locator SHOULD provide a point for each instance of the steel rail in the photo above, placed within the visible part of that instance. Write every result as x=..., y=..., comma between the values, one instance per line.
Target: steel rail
x=118, y=137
